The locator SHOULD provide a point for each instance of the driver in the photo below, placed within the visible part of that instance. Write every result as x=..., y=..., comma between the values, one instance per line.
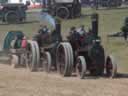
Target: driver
x=74, y=38
x=82, y=35
x=75, y=35
x=42, y=36
x=82, y=30
x=43, y=29
x=125, y=29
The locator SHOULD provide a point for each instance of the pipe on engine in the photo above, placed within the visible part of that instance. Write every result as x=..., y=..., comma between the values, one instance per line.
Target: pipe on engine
x=58, y=29
x=95, y=24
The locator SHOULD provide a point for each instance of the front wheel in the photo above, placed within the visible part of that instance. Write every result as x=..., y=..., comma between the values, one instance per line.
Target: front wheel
x=111, y=67
x=47, y=62
x=81, y=67
x=14, y=61
x=64, y=59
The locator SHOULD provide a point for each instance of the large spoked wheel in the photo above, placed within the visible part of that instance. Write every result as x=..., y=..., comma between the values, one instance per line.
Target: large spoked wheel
x=81, y=67
x=63, y=59
x=31, y=54
x=47, y=62
x=111, y=67
x=63, y=12
x=71, y=57
x=11, y=17
x=14, y=61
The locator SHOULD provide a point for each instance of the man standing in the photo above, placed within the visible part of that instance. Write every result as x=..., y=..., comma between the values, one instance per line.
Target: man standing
x=125, y=29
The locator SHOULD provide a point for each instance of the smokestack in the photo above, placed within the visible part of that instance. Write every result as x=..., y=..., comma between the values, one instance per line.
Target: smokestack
x=58, y=30
x=95, y=22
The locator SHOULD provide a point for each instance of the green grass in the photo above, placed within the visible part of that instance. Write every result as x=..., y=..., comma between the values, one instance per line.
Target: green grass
x=109, y=21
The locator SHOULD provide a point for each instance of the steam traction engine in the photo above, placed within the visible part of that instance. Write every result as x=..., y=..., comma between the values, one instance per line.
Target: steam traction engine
x=85, y=54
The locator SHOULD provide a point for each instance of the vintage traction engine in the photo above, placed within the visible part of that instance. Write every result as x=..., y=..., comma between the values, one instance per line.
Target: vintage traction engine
x=84, y=54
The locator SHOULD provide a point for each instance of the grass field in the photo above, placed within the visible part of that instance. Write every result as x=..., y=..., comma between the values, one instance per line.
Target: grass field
x=110, y=21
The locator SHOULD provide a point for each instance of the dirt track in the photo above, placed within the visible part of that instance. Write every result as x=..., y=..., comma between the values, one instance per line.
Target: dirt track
x=20, y=82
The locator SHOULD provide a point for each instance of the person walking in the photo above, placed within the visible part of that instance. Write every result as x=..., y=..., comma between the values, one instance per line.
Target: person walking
x=125, y=29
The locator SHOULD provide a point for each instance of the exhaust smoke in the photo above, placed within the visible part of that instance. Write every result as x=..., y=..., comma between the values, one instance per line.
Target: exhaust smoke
x=48, y=20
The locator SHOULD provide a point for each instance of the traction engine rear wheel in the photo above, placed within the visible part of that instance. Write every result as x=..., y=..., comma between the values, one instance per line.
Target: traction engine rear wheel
x=31, y=64
x=63, y=59
x=37, y=53
x=71, y=58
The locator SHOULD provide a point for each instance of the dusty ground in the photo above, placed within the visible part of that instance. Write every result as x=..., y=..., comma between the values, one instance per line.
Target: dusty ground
x=20, y=82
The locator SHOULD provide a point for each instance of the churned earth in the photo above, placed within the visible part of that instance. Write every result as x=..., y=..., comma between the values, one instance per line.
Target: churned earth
x=21, y=82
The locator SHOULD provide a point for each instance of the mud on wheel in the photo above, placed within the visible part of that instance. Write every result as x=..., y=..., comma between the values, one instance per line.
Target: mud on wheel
x=111, y=67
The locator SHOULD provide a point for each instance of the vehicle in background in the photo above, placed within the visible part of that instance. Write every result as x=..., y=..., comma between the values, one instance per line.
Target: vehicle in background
x=13, y=13
x=63, y=8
